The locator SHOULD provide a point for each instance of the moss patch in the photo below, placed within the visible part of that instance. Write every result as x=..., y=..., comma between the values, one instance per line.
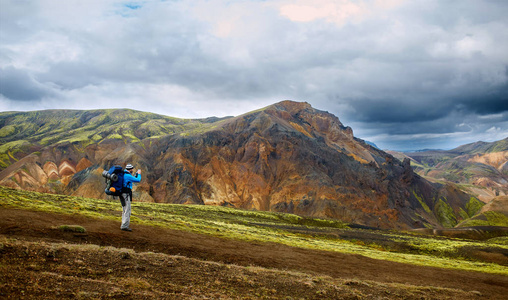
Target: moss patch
x=488, y=218
x=422, y=203
x=473, y=206
x=445, y=214
x=7, y=131
x=72, y=228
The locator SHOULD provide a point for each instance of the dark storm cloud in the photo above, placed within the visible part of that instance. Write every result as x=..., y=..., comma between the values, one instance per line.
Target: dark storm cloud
x=430, y=106
x=490, y=102
x=19, y=85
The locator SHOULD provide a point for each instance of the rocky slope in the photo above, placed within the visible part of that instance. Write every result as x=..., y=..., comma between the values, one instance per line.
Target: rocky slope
x=287, y=157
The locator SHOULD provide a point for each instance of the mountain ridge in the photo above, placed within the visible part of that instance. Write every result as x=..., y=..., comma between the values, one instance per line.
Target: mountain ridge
x=286, y=157
x=481, y=167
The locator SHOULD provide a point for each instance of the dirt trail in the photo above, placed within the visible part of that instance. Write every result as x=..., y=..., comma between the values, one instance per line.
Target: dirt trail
x=35, y=226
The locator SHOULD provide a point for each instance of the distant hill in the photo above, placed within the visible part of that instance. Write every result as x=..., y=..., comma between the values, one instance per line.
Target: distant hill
x=482, y=147
x=22, y=133
x=481, y=168
x=495, y=213
x=287, y=157
x=372, y=144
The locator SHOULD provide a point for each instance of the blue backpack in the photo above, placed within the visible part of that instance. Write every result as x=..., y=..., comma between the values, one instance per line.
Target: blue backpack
x=114, y=181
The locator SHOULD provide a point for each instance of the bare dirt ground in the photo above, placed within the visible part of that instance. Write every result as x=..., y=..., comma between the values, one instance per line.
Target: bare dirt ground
x=201, y=266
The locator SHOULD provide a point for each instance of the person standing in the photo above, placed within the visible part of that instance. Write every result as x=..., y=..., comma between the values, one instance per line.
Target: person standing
x=126, y=197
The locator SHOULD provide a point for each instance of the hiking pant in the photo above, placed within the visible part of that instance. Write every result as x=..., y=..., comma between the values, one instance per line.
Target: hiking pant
x=126, y=199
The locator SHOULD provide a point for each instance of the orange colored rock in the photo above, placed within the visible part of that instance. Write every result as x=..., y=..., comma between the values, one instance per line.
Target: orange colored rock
x=51, y=170
x=66, y=168
x=83, y=164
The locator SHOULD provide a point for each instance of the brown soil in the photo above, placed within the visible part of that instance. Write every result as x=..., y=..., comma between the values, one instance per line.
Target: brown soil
x=37, y=230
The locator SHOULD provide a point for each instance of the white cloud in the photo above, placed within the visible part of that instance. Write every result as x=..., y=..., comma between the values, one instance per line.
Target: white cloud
x=40, y=51
x=338, y=12
x=493, y=129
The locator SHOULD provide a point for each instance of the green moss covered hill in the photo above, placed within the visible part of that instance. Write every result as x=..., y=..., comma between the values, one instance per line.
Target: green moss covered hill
x=22, y=133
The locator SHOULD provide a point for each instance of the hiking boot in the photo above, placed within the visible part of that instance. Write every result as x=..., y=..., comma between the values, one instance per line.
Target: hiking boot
x=126, y=229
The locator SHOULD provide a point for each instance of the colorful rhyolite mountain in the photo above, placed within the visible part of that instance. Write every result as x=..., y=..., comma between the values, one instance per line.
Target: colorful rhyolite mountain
x=480, y=168
x=287, y=157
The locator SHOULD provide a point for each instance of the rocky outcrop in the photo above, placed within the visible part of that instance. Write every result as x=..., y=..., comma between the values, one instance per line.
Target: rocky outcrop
x=51, y=170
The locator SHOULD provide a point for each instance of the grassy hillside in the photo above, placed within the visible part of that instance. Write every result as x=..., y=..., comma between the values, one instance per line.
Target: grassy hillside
x=482, y=147
x=488, y=218
x=50, y=126
x=495, y=213
x=278, y=228
x=22, y=133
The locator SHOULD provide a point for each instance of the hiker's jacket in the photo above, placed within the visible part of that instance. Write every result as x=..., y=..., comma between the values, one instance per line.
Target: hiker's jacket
x=128, y=179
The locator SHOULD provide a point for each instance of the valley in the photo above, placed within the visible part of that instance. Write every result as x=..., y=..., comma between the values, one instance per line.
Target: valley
x=480, y=168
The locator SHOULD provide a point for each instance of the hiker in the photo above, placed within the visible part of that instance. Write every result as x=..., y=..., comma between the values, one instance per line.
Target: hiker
x=126, y=196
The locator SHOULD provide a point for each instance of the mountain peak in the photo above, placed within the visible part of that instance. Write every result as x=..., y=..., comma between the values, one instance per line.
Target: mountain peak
x=291, y=106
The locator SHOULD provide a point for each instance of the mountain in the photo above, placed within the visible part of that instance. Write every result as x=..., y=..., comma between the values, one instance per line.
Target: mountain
x=480, y=168
x=287, y=157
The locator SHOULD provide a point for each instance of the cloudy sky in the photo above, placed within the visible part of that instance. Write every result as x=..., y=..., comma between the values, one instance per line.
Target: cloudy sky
x=403, y=74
